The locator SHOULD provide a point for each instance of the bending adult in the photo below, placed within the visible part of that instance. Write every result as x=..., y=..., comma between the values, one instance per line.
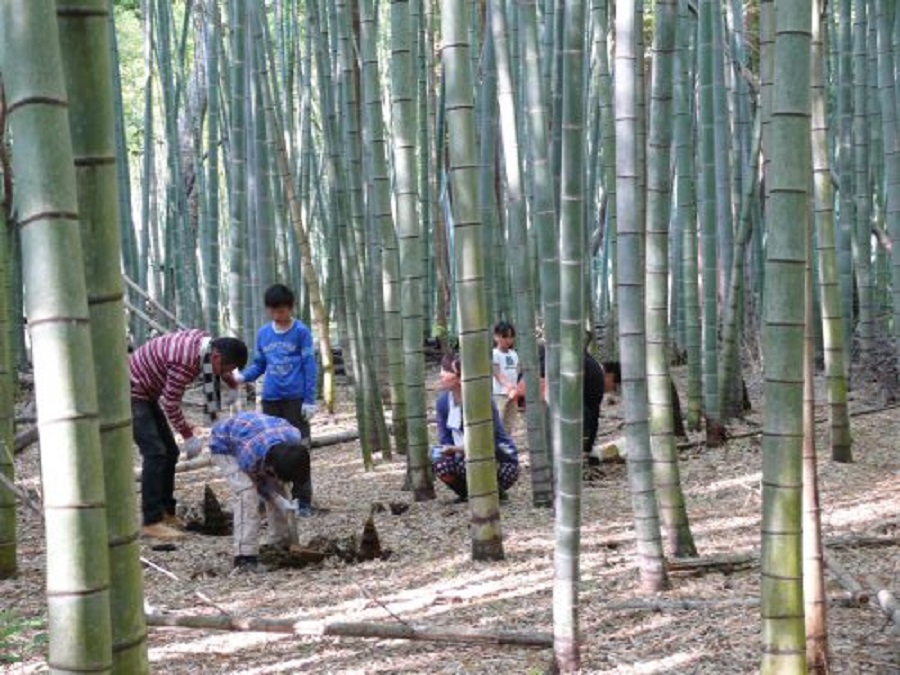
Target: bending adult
x=448, y=459
x=161, y=370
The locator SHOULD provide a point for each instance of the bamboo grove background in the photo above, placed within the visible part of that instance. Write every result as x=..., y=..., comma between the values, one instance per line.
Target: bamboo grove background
x=659, y=172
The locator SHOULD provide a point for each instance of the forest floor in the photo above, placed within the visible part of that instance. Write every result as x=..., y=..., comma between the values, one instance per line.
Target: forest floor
x=429, y=577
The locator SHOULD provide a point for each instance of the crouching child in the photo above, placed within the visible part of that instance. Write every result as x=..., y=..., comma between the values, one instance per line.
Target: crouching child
x=257, y=454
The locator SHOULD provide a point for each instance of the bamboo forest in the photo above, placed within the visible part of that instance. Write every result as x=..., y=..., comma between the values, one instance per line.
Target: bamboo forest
x=450, y=336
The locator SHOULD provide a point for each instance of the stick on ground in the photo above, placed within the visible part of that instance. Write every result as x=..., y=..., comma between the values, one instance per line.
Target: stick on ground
x=356, y=629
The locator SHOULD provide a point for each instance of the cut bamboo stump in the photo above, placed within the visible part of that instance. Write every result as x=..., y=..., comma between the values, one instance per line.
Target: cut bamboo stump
x=400, y=631
x=845, y=579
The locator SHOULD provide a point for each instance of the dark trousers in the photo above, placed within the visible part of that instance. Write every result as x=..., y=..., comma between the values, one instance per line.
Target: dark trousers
x=590, y=426
x=292, y=411
x=159, y=454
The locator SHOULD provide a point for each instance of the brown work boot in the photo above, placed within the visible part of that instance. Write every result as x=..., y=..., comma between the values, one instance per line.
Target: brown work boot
x=173, y=521
x=160, y=531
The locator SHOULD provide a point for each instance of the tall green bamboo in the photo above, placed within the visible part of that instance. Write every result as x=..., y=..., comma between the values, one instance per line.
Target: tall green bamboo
x=784, y=643
x=567, y=469
x=815, y=599
x=8, y=565
x=630, y=281
x=78, y=596
x=708, y=216
x=381, y=208
x=887, y=86
x=673, y=512
x=85, y=38
x=237, y=157
x=687, y=217
x=846, y=215
x=608, y=136
x=409, y=240
x=491, y=227
x=829, y=289
x=146, y=275
x=543, y=209
x=542, y=488
x=474, y=333
x=861, y=182
x=729, y=366
x=210, y=255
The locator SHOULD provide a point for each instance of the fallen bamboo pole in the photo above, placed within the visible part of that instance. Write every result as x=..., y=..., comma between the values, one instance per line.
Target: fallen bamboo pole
x=400, y=631
x=688, y=604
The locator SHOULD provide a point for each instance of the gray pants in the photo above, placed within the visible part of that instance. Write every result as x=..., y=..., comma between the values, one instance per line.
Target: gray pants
x=246, y=510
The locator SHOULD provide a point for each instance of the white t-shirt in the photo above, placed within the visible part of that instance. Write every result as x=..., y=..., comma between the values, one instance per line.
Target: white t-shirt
x=508, y=363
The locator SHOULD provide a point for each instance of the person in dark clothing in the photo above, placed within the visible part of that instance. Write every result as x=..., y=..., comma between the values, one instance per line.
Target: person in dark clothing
x=597, y=381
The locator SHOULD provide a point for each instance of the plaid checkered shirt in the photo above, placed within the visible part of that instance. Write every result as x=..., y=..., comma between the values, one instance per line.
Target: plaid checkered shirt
x=248, y=436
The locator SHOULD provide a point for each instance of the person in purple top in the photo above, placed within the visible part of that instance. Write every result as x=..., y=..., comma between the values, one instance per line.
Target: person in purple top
x=257, y=454
x=448, y=457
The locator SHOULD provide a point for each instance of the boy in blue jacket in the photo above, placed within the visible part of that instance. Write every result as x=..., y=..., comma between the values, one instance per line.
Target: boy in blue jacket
x=284, y=353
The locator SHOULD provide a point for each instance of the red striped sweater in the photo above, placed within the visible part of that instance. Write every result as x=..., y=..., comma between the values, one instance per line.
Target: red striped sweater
x=162, y=369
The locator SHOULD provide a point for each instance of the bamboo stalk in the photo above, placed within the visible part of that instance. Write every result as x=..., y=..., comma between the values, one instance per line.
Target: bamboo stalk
x=462, y=635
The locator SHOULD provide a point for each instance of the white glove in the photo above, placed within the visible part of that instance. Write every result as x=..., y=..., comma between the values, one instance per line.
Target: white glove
x=285, y=505
x=237, y=376
x=192, y=447
x=229, y=396
x=308, y=410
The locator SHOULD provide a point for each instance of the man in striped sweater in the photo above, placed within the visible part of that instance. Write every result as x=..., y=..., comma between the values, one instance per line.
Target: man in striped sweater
x=161, y=370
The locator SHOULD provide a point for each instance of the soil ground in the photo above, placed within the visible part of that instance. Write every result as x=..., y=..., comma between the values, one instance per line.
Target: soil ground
x=429, y=577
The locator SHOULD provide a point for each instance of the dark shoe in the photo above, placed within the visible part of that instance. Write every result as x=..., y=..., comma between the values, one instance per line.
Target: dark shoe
x=504, y=496
x=305, y=511
x=461, y=500
x=248, y=564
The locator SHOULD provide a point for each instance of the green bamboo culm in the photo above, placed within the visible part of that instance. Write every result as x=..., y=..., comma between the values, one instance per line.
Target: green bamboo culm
x=84, y=39
x=783, y=632
x=630, y=278
x=829, y=288
x=471, y=303
x=708, y=212
x=541, y=485
x=8, y=565
x=667, y=477
x=78, y=596
x=381, y=205
x=687, y=217
x=409, y=242
x=567, y=474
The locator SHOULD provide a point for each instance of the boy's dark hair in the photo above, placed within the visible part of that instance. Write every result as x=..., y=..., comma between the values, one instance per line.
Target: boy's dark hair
x=279, y=295
x=450, y=363
x=504, y=329
x=614, y=369
x=232, y=351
